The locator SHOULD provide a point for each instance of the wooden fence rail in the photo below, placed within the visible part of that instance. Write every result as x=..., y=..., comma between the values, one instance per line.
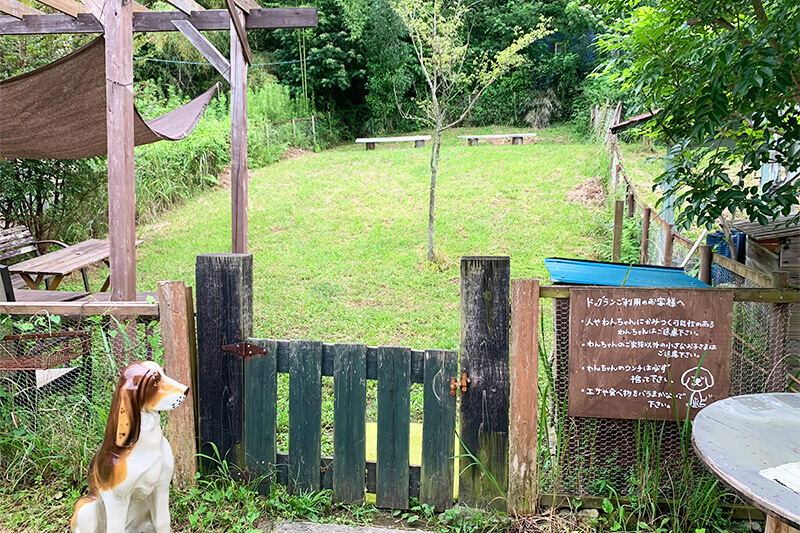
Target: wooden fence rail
x=348, y=473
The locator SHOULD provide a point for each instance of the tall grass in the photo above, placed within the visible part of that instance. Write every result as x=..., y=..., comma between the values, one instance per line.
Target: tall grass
x=170, y=173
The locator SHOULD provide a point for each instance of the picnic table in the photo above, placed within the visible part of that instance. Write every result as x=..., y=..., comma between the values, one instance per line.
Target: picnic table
x=516, y=138
x=752, y=443
x=62, y=262
x=419, y=140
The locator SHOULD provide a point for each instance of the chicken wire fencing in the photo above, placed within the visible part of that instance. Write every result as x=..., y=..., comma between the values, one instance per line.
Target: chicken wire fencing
x=583, y=456
x=57, y=377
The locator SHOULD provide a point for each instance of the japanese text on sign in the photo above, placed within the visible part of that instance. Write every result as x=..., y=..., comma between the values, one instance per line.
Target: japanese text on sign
x=648, y=353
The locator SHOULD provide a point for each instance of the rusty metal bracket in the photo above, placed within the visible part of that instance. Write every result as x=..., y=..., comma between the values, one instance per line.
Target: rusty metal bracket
x=245, y=350
x=456, y=384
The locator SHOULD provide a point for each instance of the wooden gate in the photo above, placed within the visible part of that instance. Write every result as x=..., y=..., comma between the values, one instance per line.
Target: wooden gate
x=391, y=478
x=238, y=397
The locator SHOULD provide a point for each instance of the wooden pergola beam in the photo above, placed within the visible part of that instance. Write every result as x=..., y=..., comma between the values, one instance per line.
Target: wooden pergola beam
x=158, y=21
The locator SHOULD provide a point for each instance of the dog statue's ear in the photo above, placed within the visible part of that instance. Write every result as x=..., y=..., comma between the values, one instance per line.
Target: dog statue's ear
x=128, y=416
x=129, y=413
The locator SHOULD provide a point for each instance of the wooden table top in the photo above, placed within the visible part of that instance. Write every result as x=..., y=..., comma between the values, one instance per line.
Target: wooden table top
x=739, y=437
x=62, y=262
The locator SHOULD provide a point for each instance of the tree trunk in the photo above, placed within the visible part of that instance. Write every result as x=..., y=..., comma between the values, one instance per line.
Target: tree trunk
x=435, y=146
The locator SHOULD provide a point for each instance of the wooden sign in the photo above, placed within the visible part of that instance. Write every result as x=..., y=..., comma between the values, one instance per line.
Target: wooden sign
x=651, y=354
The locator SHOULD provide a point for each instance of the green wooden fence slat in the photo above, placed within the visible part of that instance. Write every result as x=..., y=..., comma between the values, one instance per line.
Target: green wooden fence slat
x=349, y=421
x=305, y=404
x=394, y=390
x=260, y=406
x=438, y=429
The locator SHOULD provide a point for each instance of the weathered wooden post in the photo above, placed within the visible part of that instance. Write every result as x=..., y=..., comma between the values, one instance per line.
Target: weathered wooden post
x=224, y=317
x=523, y=467
x=239, y=175
x=175, y=336
x=643, y=255
x=778, y=333
x=706, y=258
x=669, y=238
x=485, y=320
x=631, y=203
x=616, y=248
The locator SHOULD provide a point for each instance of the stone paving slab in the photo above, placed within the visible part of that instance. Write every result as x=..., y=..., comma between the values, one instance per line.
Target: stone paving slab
x=313, y=527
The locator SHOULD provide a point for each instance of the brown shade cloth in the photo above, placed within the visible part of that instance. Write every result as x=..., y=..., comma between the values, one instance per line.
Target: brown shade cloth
x=59, y=111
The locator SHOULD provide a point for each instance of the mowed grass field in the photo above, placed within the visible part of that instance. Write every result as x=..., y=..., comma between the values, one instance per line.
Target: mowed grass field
x=339, y=237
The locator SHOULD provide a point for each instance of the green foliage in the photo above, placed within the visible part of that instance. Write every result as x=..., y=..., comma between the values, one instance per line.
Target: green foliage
x=55, y=199
x=21, y=53
x=728, y=77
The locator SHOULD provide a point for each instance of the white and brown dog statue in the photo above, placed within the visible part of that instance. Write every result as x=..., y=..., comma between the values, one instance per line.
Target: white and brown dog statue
x=129, y=476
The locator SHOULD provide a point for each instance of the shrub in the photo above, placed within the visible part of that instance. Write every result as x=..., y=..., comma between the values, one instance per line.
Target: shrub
x=56, y=199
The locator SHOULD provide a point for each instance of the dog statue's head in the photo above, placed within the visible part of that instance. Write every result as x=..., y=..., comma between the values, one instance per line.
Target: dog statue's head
x=143, y=386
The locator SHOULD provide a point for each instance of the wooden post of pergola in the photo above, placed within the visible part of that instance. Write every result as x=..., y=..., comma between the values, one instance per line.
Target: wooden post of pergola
x=118, y=19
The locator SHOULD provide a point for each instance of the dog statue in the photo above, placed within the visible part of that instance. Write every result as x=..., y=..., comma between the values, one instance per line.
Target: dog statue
x=130, y=474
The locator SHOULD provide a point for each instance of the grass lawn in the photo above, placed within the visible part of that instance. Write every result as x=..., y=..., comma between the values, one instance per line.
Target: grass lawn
x=339, y=237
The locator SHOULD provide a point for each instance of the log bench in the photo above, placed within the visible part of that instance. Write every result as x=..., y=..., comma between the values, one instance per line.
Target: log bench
x=419, y=140
x=516, y=138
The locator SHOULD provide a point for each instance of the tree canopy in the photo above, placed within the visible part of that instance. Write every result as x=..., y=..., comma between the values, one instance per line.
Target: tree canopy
x=727, y=75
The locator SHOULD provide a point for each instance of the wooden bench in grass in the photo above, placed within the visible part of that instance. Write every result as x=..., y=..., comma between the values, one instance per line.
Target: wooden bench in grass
x=419, y=140
x=516, y=138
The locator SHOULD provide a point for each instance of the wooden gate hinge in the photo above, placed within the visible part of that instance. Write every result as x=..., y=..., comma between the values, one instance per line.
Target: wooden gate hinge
x=456, y=384
x=245, y=349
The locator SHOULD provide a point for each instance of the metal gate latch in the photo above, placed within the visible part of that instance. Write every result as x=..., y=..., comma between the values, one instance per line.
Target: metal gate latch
x=244, y=349
x=459, y=384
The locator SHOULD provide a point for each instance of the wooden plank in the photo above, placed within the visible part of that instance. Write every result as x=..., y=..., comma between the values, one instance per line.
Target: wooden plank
x=68, y=7
x=349, y=418
x=239, y=179
x=438, y=429
x=394, y=139
x=80, y=308
x=247, y=5
x=485, y=322
x=305, y=415
x=180, y=430
x=224, y=316
x=616, y=246
x=394, y=412
x=17, y=9
x=158, y=21
x=66, y=260
x=260, y=410
x=765, y=280
x=187, y=6
x=205, y=47
x=668, y=242
x=680, y=340
x=523, y=467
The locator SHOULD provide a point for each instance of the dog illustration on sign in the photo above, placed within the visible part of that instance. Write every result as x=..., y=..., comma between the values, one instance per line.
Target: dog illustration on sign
x=129, y=476
x=697, y=379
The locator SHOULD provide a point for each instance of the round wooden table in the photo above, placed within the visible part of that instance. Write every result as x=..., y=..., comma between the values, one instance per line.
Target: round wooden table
x=739, y=438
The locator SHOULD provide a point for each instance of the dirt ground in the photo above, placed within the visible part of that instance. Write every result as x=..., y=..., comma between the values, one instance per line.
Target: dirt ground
x=590, y=193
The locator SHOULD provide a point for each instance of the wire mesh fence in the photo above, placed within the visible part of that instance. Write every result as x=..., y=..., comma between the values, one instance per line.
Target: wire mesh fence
x=57, y=377
x=598, y=456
